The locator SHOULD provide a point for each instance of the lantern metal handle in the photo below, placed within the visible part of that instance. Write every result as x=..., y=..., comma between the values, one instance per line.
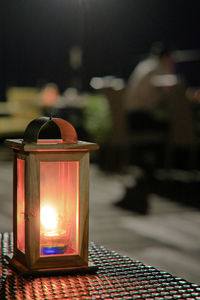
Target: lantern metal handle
x=67, y=131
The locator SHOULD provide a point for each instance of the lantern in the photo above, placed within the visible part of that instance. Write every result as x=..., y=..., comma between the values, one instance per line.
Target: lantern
x=50, y=197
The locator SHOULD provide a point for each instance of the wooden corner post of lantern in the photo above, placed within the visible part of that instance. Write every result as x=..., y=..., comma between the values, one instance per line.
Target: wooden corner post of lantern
x=50, y=198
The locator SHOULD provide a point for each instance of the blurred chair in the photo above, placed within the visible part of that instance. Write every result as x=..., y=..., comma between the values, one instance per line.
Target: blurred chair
x=20, y=108
x=121, y=139
x=22, y=101
x=182, y=130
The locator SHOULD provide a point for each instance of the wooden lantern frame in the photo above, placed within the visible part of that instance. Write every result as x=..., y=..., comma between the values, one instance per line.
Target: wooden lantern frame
x=33, y=151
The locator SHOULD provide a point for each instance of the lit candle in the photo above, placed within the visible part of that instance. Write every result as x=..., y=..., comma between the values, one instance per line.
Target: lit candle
x=49, y=218
x=53, y=238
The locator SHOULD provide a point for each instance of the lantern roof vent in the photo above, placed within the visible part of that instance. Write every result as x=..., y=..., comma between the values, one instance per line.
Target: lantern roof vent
x=50, y=133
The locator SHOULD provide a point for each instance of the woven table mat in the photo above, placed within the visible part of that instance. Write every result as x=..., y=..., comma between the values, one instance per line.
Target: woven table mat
x=118, y=277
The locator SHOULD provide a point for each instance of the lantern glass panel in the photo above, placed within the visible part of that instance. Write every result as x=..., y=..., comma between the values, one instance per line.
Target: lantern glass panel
x=59, y=207
x=20, y=205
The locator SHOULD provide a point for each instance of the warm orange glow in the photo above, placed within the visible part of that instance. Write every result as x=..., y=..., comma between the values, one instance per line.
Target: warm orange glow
x=77, y=210
x=20, y=205
x=59, y=207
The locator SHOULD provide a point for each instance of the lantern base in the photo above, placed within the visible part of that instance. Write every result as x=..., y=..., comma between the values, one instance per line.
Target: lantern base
x=18, y=266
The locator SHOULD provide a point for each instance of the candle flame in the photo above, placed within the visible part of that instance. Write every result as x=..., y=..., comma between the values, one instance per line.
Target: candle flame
x=49, y=218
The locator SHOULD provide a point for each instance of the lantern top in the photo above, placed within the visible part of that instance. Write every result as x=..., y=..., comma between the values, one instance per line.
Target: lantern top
x=32, y=140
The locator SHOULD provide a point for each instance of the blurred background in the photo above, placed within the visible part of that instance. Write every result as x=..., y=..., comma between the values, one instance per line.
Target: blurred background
x=78, y=60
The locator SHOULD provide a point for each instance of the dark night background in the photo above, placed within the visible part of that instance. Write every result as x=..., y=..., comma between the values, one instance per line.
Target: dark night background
x=36, y=36
x=158, y=180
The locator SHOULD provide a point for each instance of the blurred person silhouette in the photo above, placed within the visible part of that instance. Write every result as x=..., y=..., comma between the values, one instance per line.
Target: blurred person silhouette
x=144, y=106
x=145, y=87
x=151, y=79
